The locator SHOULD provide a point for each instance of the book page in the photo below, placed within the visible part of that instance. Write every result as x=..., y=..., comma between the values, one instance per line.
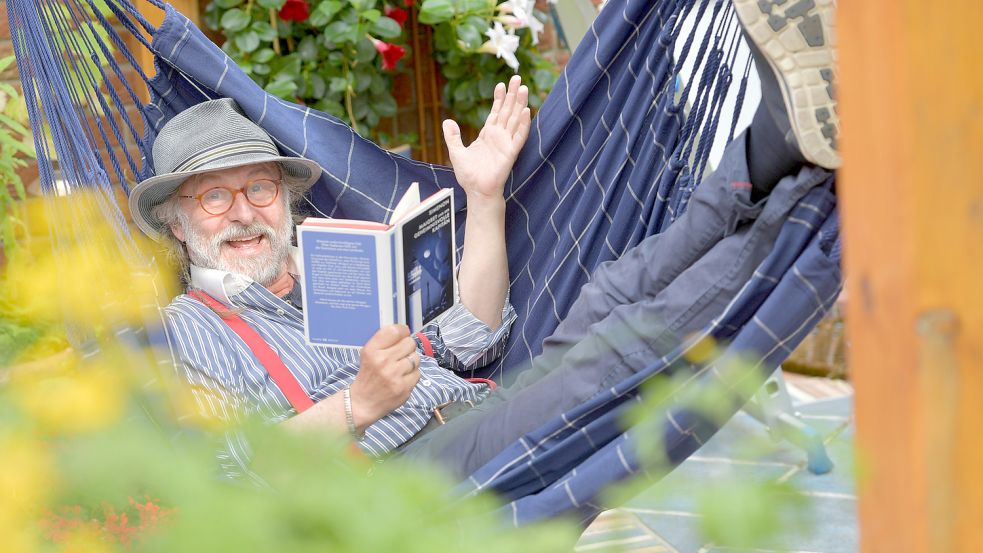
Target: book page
x=410, y=199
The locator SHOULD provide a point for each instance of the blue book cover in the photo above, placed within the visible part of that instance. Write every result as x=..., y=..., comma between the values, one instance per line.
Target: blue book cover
x=358, y=276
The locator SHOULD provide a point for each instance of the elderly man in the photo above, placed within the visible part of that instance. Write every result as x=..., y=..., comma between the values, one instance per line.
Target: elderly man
x=222, y=197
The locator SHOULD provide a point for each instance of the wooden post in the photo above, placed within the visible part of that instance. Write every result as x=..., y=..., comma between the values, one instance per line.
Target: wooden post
x=911, y=90
x=189, y=8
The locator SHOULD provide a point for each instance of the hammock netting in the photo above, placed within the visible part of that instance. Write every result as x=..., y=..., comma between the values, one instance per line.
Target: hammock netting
x=615, y=153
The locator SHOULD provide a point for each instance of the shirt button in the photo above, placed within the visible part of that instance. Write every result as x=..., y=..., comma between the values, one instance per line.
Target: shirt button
x=426, y=382
x=280, y=312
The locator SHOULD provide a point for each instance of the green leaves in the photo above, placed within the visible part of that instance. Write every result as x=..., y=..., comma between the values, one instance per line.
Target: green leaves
x=264, y=55
x=308, y=49
x=436, y=11
x=264, y=31
x=283, y=88
x=247, y=42
x=324, y=12
x=235, y=20
x=340, y=32
x=470, y=36
x=330, y=62
x=386, y=27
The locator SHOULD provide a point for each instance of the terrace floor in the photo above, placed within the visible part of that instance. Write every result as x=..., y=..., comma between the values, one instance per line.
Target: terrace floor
x=664, y=518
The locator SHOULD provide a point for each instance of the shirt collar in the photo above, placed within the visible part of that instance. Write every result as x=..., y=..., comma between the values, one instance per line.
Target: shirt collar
x=222, y=285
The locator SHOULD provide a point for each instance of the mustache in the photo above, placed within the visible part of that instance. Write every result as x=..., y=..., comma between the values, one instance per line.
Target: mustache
x=238, y=232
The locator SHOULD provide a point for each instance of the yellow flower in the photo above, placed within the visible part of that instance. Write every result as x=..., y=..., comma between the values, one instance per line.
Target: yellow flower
x=71, y=402
x=187, y=406
x=702, y=351
x=26, y=480
x=89, y=274
x=18, y=535
x=85, y=540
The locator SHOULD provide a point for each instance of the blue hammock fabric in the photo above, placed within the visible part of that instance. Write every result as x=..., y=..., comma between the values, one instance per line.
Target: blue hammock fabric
x=614, y=154
x=564, y=466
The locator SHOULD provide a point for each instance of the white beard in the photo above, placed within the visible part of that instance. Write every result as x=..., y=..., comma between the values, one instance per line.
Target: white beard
x=263, y=268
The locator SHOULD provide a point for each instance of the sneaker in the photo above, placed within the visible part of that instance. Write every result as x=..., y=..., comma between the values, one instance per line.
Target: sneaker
x=796, y=39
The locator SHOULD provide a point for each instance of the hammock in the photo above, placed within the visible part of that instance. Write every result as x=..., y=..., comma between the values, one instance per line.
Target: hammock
x=614, y=155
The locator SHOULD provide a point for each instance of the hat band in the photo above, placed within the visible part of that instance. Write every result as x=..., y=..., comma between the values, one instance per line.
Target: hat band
x=221, y=151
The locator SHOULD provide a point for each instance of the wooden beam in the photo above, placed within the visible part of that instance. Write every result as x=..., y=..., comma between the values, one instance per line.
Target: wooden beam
x=189, y=8
x=911, y=93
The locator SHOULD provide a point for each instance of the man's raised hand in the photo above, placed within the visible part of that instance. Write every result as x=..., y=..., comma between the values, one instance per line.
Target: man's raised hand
x=389, y=369
x=482, y=167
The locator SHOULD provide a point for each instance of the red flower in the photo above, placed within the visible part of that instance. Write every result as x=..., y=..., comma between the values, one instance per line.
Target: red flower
x=397, y=14
x=408, y=3
x=391, y=53
x=295, y=10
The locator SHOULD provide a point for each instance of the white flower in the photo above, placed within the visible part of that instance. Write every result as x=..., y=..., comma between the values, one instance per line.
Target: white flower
x=503, y=44
x=523, y=15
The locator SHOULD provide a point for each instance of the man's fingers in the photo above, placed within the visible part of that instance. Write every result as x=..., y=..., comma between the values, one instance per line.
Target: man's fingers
x=499, y=98
x=412, y=362
x=388, y=336
x=452, y=136
x=508, y=106
x=521, y=101
x=522, y=129
x=400, y=349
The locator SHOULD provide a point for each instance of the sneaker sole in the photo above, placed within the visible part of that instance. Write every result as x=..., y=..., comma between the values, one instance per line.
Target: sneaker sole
x=793, y=37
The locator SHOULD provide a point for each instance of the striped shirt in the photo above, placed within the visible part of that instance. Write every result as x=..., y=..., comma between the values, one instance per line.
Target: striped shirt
x=227, y=380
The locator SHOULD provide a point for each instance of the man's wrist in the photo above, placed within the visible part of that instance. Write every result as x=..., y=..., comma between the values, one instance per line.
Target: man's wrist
x=364, y=410
x=488, y=206
x=350, y=415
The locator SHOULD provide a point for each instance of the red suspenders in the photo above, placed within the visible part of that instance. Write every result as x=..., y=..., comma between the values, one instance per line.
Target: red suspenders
x=284, y=379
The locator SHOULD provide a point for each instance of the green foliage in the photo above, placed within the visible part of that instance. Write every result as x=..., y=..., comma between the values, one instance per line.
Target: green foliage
x=736, y=512
x=469, y=65
x=321, y=496
x=16, y=147
x=327, y=61
x=14, y=338
x=330, y=61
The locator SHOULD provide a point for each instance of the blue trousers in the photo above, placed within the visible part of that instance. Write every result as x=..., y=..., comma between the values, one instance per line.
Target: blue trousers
x=634, y=310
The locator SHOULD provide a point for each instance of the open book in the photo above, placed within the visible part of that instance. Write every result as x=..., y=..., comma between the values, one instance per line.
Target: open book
x=360, y=275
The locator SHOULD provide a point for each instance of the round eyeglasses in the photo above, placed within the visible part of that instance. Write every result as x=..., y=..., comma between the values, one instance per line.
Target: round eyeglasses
x=219, y=200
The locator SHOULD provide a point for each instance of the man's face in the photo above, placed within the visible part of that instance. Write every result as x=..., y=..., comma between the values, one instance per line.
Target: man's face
x=246, y=239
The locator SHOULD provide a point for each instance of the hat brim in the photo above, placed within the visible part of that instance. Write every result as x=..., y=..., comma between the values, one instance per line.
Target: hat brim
x=300, y=173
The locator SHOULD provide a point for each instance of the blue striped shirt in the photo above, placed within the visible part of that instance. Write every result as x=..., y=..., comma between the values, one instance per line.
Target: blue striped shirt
x=227, y=380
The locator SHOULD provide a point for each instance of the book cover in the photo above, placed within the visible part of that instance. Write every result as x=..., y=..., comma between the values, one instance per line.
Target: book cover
x=358, y=276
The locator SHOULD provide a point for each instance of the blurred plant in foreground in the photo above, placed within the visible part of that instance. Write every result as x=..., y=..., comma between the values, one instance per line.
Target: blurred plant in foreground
x=736, y=512
x=101, y=453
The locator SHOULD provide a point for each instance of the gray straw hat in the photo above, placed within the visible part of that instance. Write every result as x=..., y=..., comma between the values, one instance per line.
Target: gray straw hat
x=206, y=137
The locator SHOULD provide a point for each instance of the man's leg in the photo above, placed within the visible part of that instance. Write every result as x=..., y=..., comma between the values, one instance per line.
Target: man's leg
x=637, y=307
x=717, y=208
x=628, y=336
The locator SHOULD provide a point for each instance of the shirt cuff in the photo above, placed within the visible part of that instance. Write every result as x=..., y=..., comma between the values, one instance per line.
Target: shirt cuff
x=468, y=338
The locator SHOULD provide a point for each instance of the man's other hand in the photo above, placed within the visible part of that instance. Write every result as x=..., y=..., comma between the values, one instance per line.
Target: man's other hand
x=389, y=369
x=482, y=168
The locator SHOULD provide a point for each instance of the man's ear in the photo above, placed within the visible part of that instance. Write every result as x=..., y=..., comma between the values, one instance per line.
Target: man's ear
x=178, y=231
